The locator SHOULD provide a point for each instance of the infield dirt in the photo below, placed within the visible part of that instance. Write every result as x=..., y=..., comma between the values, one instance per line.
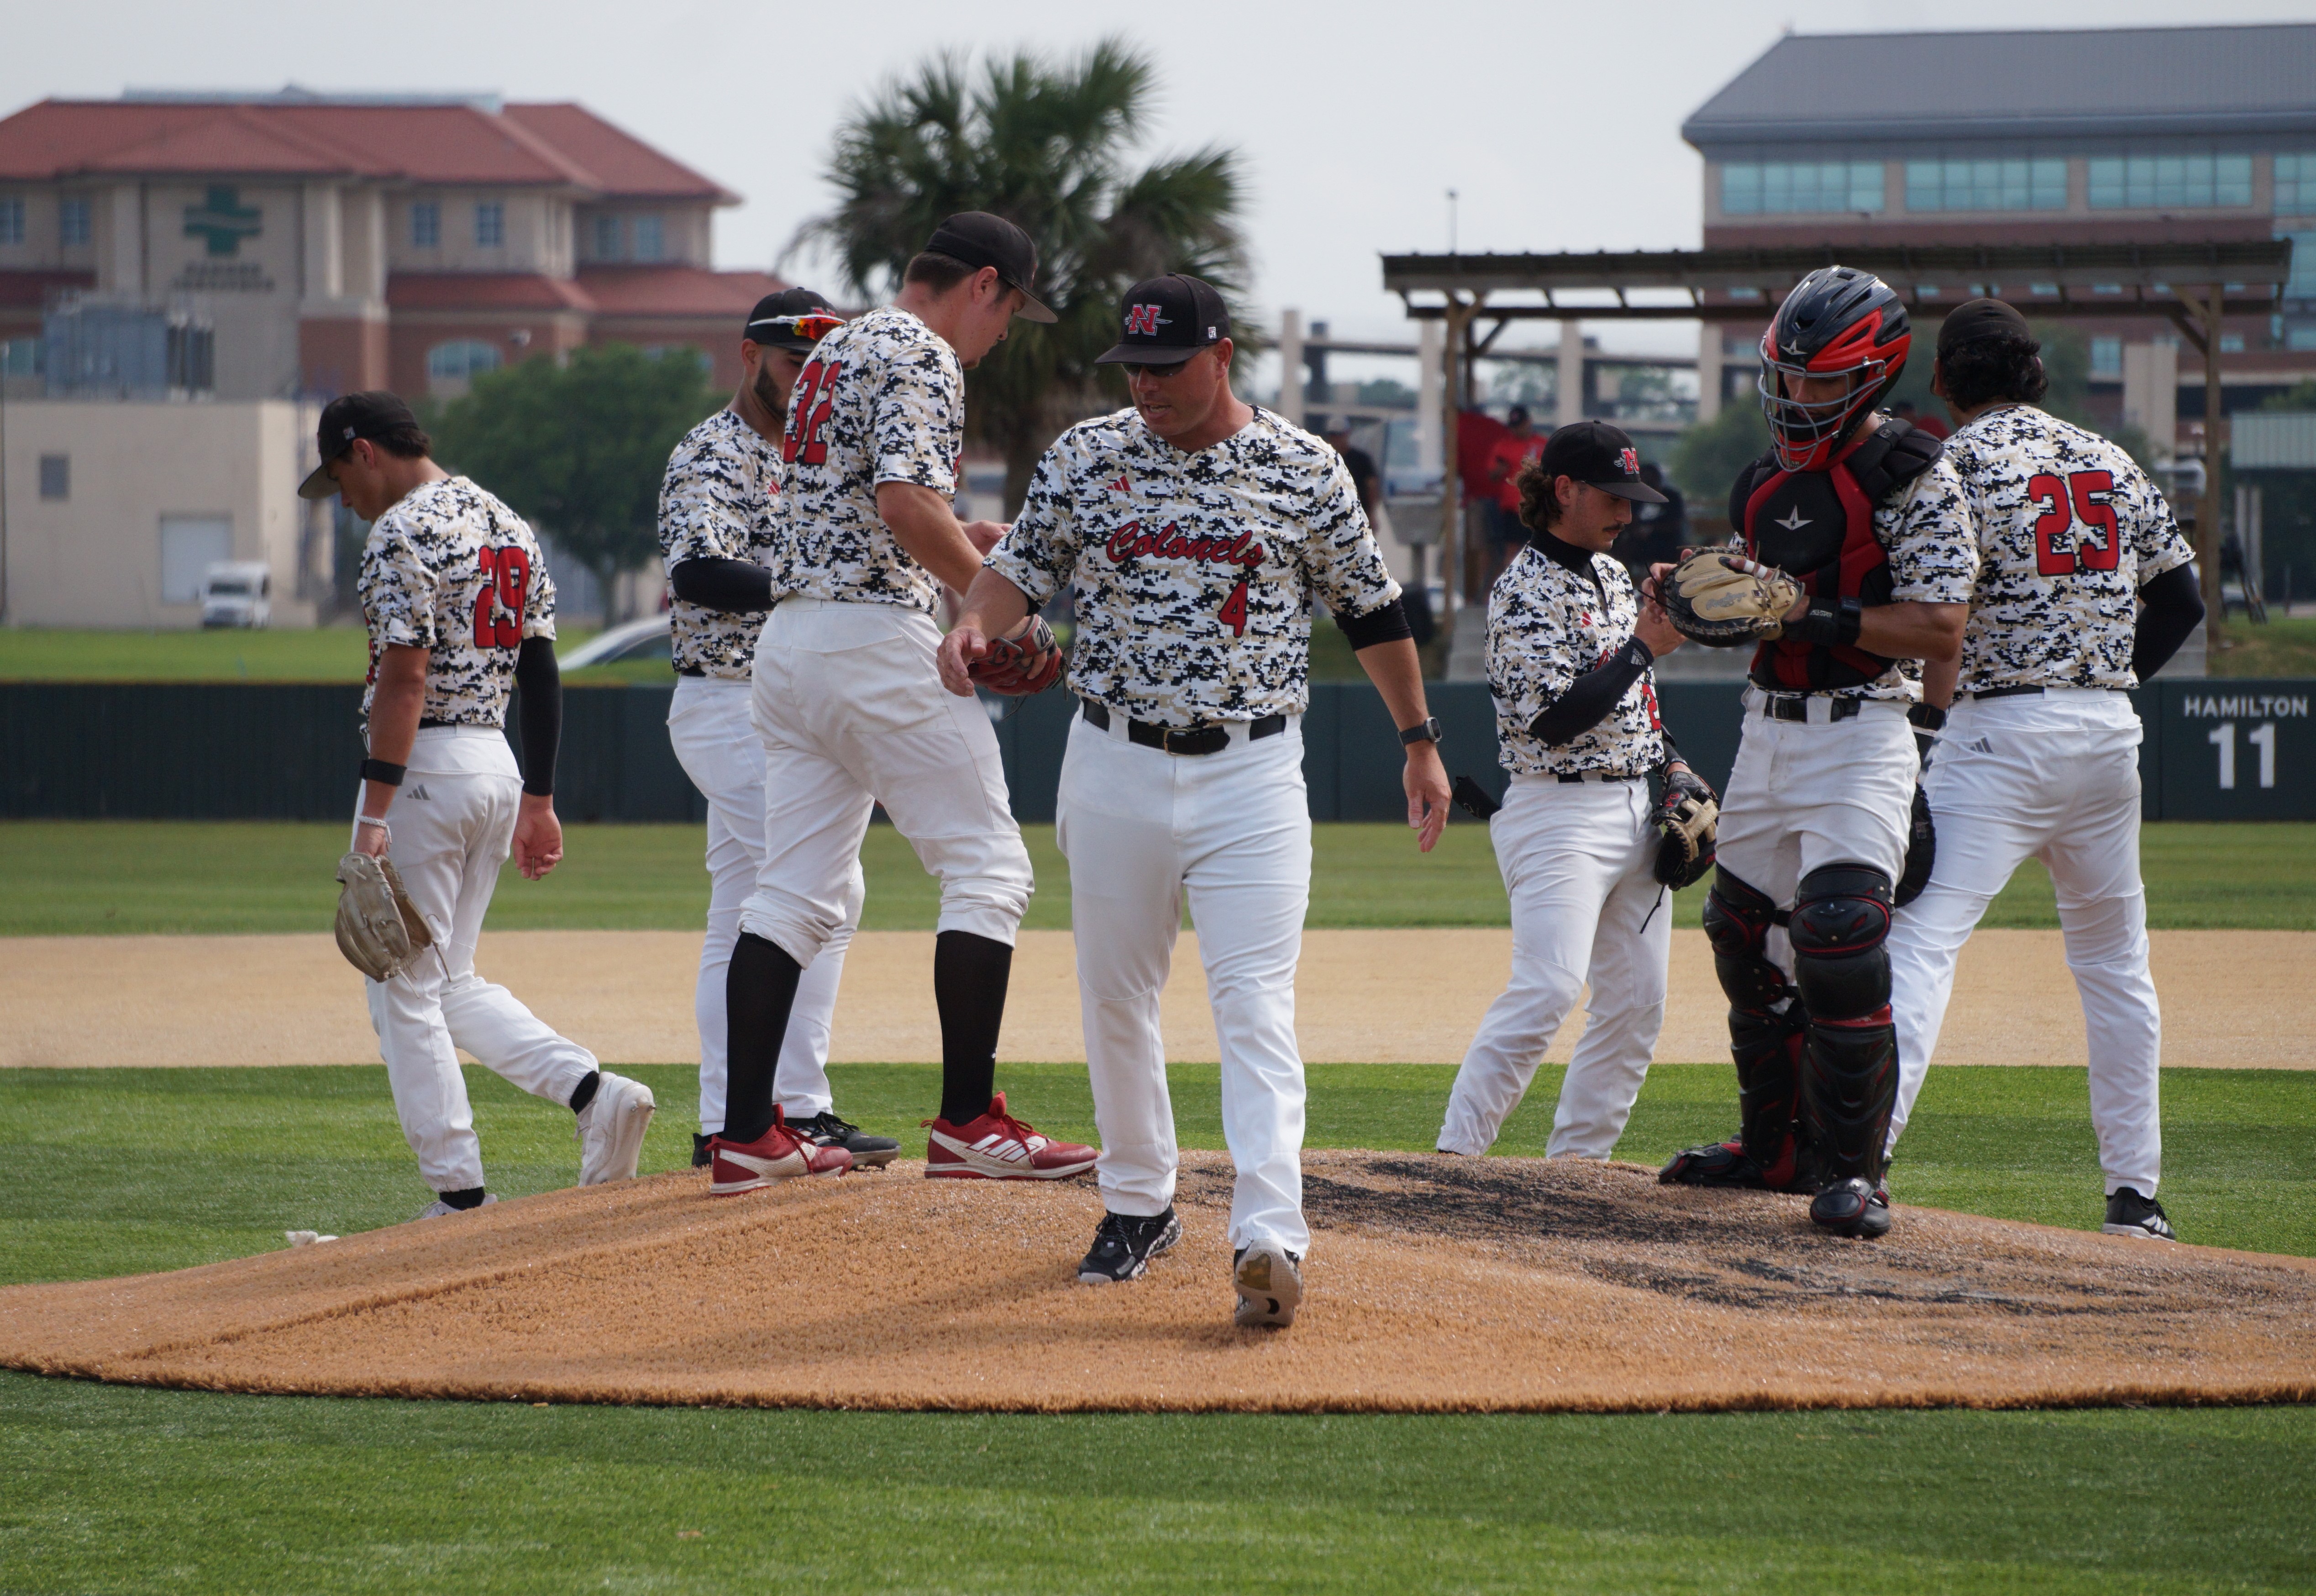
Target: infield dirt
x=1434, y=1284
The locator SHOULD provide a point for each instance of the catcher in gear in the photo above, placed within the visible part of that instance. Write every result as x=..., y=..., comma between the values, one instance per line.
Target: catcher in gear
x=1857, y=558
x=1600, y=817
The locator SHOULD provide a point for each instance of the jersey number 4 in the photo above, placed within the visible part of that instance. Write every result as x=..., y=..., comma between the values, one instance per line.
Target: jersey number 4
x=808, y=411
x=2057, y=551
x=1232, y=614
x=506, y=576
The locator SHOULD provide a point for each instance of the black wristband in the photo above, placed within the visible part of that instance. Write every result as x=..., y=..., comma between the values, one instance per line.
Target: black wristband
x=1832, y=625
x=378, y=771
x=1928, y=716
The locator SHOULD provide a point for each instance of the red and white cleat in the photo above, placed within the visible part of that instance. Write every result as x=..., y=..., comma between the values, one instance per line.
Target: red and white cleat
x=778, y=1154
x=997, y=1147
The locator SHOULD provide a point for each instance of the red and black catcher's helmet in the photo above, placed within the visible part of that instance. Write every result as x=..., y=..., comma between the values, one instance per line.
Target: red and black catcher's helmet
x=1836, y=321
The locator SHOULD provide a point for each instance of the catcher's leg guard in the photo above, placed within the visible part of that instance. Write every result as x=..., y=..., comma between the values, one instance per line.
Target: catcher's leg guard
x=1767, y=1025
x=1841, y=915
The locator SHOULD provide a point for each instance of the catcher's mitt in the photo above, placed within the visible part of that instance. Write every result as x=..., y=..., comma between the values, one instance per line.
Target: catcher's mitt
x=1030, y=661
x=1688, y=820
x=1922, y=852
x=379, y=929
x=1721, y=599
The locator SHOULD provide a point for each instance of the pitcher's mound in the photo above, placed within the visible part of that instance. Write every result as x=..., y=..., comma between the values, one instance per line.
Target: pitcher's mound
x=1434, y=1284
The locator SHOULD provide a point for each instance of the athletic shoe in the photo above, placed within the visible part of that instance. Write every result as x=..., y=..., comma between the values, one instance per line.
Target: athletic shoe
x=1269, y=1286
x=868, y=1152
x=997, y=1147
x=1125, y=1243
x=1856, y=1207
x=1727, y=1164
x=438, y=1207
x=2130, y=1214
x=700, y=1152
x=611, y=1129
x=778, y=1154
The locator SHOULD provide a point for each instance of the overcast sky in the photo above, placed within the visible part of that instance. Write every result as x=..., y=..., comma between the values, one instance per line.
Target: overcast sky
x=1558, y=124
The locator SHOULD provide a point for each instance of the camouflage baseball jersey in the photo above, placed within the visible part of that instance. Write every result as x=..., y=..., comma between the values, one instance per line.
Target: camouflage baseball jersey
x=1194, y=573
x=1547, y=625
x=453, y=571
x=717, y=503
x=2069, y=530
x=1924, y=530
x=882, y=400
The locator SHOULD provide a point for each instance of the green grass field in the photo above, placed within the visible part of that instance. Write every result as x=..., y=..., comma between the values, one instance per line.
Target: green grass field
x=2284, y=646
x=123, y=1489
x=75, y=878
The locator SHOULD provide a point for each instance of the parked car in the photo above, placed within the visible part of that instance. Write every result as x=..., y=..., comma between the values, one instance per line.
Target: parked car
x=238, y=594
x=647, y=638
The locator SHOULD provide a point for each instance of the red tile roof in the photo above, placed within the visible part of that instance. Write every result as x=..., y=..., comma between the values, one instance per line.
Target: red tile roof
x=554, y=145
x=675, y=290
x=483, y=291
x=32, y=288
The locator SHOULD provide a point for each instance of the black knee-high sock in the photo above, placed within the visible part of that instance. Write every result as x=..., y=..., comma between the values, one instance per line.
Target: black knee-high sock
x=969, y=977
x=758, y=991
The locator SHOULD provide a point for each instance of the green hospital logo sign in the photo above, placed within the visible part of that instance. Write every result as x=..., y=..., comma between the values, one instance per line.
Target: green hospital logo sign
x=223, y=220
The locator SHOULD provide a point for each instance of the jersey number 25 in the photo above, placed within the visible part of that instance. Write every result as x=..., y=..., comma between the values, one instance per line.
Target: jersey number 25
x=808, y=411
x=2056, y=552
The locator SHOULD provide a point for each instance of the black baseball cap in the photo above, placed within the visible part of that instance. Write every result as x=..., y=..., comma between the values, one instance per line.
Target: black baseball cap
x=1594, y=451
x=1974, y=319
x=376, y=413
x=980, y=239
x=773, y=321
x=1166, y=320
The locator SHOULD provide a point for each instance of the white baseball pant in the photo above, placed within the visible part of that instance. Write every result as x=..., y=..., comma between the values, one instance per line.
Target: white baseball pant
x=708, y=723
x=1140, y=827
x=851, y=713
x=1578, y=863
x=2053, y=778
x=453, y=825
x=1807, y=794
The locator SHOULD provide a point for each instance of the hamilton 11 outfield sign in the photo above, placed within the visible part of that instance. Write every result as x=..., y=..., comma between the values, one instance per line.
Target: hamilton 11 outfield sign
x=2238, y=751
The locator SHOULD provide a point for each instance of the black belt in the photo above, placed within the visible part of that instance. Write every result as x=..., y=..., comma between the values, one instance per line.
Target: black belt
x=1574, y=776
x=1176, y=739
x=691, y=671
x=2006, y=692
x=1797, y=708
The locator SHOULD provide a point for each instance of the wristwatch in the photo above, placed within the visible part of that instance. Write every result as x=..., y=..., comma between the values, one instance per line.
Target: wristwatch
x=1429, y=732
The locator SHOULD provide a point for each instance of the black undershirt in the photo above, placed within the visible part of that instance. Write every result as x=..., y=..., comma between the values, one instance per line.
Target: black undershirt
x=1593, y=696
x=538, y=713
x=2172, y=605
x=735, y=586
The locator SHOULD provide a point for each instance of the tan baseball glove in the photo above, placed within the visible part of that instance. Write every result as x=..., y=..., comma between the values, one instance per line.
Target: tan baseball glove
x=1688, y=825
x=1028, y=662
x=1722, y=600
x=379, y=929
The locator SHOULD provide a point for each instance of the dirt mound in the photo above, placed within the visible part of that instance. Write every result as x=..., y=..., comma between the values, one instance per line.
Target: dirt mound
x=1435, y=1284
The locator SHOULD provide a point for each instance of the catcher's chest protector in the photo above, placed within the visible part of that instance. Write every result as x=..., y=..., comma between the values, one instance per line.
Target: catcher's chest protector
x=1818, y=527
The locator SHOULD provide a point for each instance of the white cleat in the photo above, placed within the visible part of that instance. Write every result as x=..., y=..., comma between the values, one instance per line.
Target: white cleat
x=1269, y=1286
x=611, y=1129
x=438, y=1208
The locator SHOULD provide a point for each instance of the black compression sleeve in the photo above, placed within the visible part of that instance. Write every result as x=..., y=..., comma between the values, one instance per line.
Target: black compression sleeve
x=1386, y=623
x=539, y=717
x=1590, y=696
x=733, y=586
x=2173, y=605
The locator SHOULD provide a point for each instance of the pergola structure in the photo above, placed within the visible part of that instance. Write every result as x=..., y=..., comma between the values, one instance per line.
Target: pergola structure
x=2193, y=286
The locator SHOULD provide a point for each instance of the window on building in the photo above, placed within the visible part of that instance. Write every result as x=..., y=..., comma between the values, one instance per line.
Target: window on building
x=425, y=223
x=73, y=221
x=1788, y=188
x=607, y=238
x=2300, y=338
x=2232, y=343
x=2302, y=284
x=647, y=239
x=2296, y=183
x=1986, y=186
x=190, y=546
x=2106, y=357
x=56, y=476
x=2169, y=182
x=12, y=219
x=490, y=225
x=461, y=360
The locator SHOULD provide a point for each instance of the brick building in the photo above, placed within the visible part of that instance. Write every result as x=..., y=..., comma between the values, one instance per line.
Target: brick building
x=2145, y=134
x=343, y=242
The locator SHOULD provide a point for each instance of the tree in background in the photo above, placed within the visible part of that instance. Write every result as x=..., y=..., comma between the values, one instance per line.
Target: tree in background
x=1046, y=147
x=578, y=448
x=1707, y=458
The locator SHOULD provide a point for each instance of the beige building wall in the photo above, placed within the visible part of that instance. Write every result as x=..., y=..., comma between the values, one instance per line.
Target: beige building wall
x=95, y=557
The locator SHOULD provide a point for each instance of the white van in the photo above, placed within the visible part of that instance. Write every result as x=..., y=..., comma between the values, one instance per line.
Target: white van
x=238, y=594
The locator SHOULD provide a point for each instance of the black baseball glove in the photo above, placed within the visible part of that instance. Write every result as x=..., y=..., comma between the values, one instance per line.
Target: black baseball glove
x=1688, y=818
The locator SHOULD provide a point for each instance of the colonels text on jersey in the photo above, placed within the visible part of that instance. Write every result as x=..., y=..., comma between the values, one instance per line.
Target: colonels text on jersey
x=451, y=569
x=1194, y=573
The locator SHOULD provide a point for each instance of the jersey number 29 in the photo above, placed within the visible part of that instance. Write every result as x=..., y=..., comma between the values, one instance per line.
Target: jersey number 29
x=808, y=411
x=506, y=576
x=2056, y=554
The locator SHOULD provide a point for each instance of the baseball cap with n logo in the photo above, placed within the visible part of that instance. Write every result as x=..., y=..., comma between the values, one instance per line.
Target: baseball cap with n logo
x=1166, y=320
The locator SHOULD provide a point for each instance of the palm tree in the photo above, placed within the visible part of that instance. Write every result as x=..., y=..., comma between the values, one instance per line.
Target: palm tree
x=1046, y=147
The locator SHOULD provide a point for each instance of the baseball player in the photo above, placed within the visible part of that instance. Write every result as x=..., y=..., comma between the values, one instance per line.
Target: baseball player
x=2083, y=590
x=1864, y=554
x=460, y=610
x=1195, y=531
x=1570, y=656
x=848, y=704
x=716, y=536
